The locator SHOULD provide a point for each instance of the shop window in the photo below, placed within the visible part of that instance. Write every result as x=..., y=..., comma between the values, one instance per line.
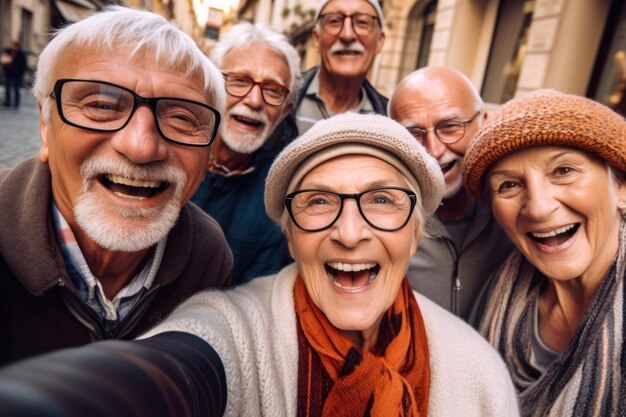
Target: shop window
x=428, y=27
x=508, y=50
x=603, y=86
x=418, y=36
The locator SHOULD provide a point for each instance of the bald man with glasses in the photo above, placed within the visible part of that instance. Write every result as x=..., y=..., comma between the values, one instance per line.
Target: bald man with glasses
x=348, y=34
x=443, y=111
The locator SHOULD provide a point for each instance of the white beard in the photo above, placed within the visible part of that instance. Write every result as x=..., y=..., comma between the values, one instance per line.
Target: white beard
x=454, y=187
x=246, y=142
x=127, y=229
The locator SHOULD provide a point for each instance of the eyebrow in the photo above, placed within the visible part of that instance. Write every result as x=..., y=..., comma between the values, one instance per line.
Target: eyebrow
x=550, y=160
x=410, y=124
x=246, y=73
x=372, y=184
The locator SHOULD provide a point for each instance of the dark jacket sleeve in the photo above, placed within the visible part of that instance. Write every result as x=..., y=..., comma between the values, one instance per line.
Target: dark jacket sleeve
x=170, y=374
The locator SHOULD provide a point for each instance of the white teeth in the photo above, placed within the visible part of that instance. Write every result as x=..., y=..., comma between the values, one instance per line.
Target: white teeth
x=554, y=232
x=133, y=181
x=351, y=267
x=130, y=197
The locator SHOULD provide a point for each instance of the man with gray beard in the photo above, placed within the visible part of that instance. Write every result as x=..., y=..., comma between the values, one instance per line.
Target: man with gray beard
x=443, y=111
x=348, y=34
x=97, y=240
x=262, y=75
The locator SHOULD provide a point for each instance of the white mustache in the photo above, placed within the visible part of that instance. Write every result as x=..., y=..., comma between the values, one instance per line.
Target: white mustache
x=153, y=171
x=355, y=46
x=448, y=157
x=244, y=111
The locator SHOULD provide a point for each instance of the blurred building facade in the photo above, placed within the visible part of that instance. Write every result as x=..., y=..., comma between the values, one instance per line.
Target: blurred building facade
x=32, y=21
x=506, y=47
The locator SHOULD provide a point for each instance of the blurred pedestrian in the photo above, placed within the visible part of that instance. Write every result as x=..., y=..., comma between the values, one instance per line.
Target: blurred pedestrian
x=14, y=67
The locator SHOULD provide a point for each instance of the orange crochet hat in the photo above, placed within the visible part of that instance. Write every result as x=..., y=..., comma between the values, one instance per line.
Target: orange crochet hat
x=545, y=117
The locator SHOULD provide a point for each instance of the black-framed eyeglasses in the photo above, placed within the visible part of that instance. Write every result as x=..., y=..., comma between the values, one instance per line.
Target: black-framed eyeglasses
x=239, y=85
x=101, y=106
x=447, y=131
x=362, y=23
x=384, y=208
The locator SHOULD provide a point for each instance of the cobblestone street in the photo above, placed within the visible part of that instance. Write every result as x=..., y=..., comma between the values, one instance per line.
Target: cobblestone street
x=19, y=130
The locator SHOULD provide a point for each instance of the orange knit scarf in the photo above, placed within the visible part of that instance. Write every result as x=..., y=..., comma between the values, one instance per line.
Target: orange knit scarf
x=394, y=380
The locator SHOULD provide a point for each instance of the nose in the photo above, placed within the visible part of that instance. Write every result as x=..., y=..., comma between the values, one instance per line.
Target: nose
x=433, y=145
x=140, y=140
x=350, y=228
x=540, y=201
x=347, y=34
x=254, y=98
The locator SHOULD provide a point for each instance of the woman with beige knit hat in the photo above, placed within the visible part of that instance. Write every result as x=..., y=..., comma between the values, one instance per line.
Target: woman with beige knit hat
x=553, y=167
x=340, y=332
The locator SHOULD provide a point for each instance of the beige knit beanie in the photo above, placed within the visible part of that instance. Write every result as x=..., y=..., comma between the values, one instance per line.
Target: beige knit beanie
x=545, y=117
x=353, y=133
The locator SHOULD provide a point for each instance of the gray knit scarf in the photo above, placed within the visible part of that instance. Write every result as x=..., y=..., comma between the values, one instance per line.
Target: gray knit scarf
x=588, y=379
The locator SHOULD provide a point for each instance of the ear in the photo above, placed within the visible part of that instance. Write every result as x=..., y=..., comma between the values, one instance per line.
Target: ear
x=416, y=239
x=290, y=245
x=44, y=131
x=621, y=195
x=381, y=42
x=287, y=109
x=316, y=40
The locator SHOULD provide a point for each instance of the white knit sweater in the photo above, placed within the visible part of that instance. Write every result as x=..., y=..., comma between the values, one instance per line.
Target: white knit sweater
x=253, y=329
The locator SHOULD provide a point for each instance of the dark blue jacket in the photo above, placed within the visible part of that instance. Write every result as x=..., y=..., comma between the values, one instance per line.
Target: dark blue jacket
x=259, y=247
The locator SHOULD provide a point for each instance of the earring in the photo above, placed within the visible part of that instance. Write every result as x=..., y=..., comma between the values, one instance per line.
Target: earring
x=622, y=204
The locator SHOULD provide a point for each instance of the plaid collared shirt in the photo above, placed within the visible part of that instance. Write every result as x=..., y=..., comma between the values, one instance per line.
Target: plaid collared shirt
x=111, y=312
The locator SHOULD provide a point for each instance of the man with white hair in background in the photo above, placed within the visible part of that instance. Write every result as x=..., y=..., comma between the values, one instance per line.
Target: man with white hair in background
x=97, y=240
x=262, y=75
x=443, y=111
x=348, y=34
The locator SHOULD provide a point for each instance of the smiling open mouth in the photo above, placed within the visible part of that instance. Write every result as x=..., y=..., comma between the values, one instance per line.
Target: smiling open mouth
x=132, y=188
x=555, y=237
x=352, y=276
x=447, y=167
x=347, y=52
x=248, y=121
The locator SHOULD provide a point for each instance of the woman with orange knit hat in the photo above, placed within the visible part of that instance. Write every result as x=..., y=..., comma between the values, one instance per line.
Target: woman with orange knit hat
x=553, y=167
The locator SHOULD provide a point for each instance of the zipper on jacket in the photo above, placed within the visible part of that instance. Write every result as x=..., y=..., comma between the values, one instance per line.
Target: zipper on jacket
x=456, y=285
x=81, y=311
x=88, y=318
x=134, y=314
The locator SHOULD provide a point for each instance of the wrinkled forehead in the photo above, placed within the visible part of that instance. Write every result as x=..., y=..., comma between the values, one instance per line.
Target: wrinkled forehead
x=147, y=56
x=353, y=6
x=374, y=168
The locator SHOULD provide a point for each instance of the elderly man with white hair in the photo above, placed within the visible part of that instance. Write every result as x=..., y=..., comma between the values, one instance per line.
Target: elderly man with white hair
x=97, y=240
x=262, y=74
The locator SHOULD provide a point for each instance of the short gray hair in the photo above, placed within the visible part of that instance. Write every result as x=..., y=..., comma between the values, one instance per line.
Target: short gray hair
x=118, y=26
x=246, y=34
